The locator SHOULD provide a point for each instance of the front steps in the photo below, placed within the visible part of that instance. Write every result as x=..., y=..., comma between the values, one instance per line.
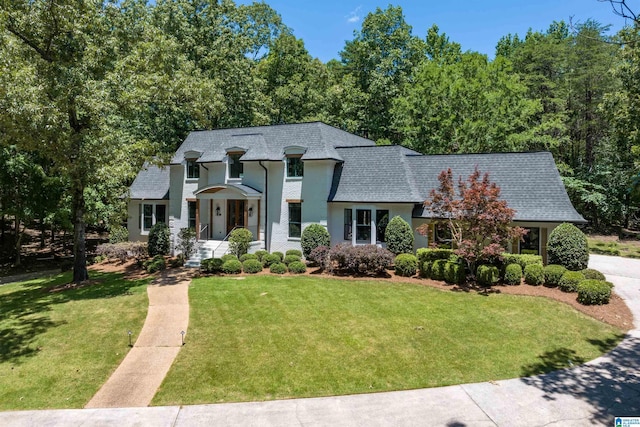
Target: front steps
x=207, y=249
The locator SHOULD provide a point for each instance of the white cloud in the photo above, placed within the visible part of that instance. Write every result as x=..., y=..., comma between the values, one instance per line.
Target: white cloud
x=354, y=15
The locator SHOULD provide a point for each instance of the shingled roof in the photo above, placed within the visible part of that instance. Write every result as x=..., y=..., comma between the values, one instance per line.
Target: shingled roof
x=151, y=183
x=319, y=141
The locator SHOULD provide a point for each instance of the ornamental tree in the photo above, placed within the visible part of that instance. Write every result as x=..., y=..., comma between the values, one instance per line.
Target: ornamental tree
x=479, y=221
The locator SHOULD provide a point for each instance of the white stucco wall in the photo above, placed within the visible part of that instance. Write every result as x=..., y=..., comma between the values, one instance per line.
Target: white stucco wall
x=134, y=219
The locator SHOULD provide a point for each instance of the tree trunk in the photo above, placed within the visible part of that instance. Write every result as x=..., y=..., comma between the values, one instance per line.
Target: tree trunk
x=18, y=246
x=43, y=231
x=80, y=273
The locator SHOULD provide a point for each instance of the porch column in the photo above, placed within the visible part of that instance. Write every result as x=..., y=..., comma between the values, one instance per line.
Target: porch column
x=197, y=219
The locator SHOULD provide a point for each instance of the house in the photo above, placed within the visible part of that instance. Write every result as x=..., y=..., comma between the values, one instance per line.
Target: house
x=276, y=180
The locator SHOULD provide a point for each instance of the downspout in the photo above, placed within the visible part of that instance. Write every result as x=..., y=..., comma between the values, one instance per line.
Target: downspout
x=267, y=244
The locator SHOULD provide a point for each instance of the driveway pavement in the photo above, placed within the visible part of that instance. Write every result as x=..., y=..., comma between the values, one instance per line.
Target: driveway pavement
x=590, y=394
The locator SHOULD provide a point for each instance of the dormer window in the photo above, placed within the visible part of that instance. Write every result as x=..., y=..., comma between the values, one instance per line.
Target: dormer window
x=193, y=169
x=295, y=166
x=236, y=168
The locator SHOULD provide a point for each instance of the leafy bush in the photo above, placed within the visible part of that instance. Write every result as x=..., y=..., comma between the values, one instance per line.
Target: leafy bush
x=365, y=259
x=186, y=242
x=288, y=259
x=425, y=269
x=240, y=241
x=155, y=264
x=437, y=269
x=590, y=273
x=487, y=275
x=232, y=266
x=245, y=257
x=278, y=268
x=211, y=265
x=313, y=236
x=594, y=292
x=552, y=274
x=570, y=280
x=100, y=258
x=280, y=255
x=429, y=254
x=176, y=262
x=118, y=234
x=123, y=251
x=521, y=259
x=159, y=243
x=297, y=267
x=227, y=257
x=260, y=254
x=270, y=259
x=568, y=247
x=294, y=252
x=251, y=266
x=454, y=272
x=534, y=274
x=320, y=256
x=399, y=236
x=406, y=265
x=513, y=274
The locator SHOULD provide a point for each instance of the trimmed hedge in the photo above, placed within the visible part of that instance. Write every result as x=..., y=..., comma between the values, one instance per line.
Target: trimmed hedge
x=294, y=252
x=211, y=265
x=365, y=259
x=279, y=254
x=437, y=269
x=513, y=274
x=487, y=275
x=429, y=254
x=245, y=257
x=288, y=259
x=534, y=274
x=270, y=259
x=297, y=267
x=399, y=236
x=454, y=272
x=568, y=247
x=278, y=268
x=425, y=269
x=590, y=273
x=320, y=256
x=521, y=259
x=261, y=254
x=552, y=274
x=406, y=265
x=232, y=266
x=228, y=257
x=570, y=280
x=252, y=266
x=240, y=241
x=159, y=242
x=313, y=236
x=594, y=292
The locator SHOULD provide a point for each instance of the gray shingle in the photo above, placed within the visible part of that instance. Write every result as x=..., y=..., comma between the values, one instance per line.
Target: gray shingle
x=151, y=183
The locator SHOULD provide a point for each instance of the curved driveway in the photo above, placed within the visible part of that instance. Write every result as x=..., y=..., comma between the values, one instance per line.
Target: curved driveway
x=590, y=394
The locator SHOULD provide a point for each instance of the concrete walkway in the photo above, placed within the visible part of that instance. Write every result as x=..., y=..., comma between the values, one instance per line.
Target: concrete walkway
x=590, y=394
x=136, y=380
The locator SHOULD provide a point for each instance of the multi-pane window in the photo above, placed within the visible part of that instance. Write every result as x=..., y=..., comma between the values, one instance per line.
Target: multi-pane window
x=236, y=168
x=151, y=214
x=363, y=224
x=347, y=224
x=530, y=243
x=193, y=169
x=382, y=219
x=295, y=219
x=191, y=207
x=295, y=167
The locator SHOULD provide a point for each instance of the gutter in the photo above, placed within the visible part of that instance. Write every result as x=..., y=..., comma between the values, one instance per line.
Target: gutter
x=267, y=244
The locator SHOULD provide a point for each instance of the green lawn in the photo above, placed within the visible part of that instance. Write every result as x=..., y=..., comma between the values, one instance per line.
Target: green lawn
x=269, y=337
x=58, y=348
x=628, y=248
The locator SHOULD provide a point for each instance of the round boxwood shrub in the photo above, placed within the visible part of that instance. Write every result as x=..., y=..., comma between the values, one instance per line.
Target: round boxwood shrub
x=568, y=247
x=278, y=268
x=513, y=274
x=294, y=252
x=278, y=254
x=260, y=254
x=159, y=243
x=297, y=267
x=240, y=241
x=227, y=257
x=252, y=266
x=437, y=269
x=594, y=292
x=590, y=273
x=399, y=236
x=313, y=236
x=552, y=274
x=425, y=270
x=211, y=265
x=288, y=259
x=570, y=280
x=487, y=275
x=270, y=259
x=232, y=266
x=406, y=265
x=454, y=272
x=245, y=257
x=534, y=274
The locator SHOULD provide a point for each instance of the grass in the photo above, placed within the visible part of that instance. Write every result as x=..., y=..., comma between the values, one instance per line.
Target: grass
x=265, y=337
x=627, y=249
x=58, y=348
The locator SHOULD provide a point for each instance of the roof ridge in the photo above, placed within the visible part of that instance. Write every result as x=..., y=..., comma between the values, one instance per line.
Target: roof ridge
x=409, y=174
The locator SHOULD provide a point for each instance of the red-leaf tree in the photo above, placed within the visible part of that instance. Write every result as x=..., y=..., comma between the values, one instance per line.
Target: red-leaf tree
x=479, y=221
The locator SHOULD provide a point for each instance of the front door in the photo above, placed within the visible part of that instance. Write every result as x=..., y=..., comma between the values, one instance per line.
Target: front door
x=235, y=214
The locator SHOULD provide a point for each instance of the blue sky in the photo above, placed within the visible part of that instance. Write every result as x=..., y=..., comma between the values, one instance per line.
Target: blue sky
x=477, y=25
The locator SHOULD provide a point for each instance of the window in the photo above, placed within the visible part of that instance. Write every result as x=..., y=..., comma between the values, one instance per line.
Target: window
x=151, y=214
x=236, y=168
x=382, y=219
x=161, y=213
x=530, y=243
x=193, y=169
x=442, y=236
x=347, y=224
x=295, y=167
x=363, y=224
x=295, y=219
x=191, y=207
x=147, y=219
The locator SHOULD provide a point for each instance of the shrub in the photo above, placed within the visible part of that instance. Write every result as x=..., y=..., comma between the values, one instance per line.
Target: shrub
x=534, y=274
x=260, y=254
x=240, y=241
x=590, y=273
x=118, y=234
x=288, y=259
x=406, y=265
x=251, y=266
x=429, y=254
x=399, y=236
x=227, y=257
x=245, y=257
x=270, y=259
x=552, y=274
x=186, y=242
x=454, y=272
x=278, y=268
x=568, y=247
x=100, y=258
x=569, y=281
x=211, y=265
x=320, y=256
x=437, y=269
x=521, y=259
x=155, y=264
x=487, y=275
x=123, y=251
x=232, y=266
x=425, y=269
x=176, y=262
x=313, y=236
x=513, y=274
x=297, y=267
x=159, y=243
x=365, y=259
x=294, y=252
x=280, y=255
x=594, y=292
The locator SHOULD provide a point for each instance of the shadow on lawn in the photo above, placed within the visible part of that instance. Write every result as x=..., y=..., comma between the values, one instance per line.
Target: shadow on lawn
x=611, y=386
x=24, y=313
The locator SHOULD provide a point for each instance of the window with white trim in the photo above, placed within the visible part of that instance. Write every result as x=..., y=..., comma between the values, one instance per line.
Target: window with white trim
x=295, y=220
x=151, y=214
x=191, y=207
x=348, y=225
x=295, y=166
x=363, y=225
x=236, y=167
x=193, y=169
x=530, y=243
